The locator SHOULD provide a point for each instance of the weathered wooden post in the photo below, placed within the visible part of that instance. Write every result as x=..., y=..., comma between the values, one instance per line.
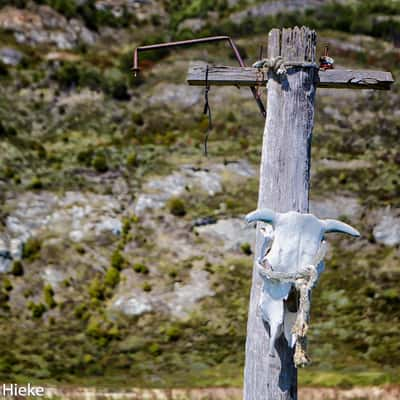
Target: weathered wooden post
x=284, y=186
x=284, y=175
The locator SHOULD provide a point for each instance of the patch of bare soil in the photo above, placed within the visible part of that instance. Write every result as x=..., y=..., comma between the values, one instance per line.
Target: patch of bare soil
x=364, y=393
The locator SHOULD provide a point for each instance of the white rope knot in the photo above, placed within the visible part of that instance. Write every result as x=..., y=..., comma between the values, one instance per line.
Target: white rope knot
x=279, y=65
x=303, y=280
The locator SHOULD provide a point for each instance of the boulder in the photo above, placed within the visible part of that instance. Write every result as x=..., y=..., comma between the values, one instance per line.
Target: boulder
x=5, y=257
x=232, y=232
x=43, y=25
x=387, y=231
x=132, y=305
x=10, y=56
x=335, y=207
x=274, y=7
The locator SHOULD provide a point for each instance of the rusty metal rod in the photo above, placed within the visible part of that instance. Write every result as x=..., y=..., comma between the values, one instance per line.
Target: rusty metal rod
x=190, y=42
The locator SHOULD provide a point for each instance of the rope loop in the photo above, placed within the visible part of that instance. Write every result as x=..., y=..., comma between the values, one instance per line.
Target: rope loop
x=280, y=66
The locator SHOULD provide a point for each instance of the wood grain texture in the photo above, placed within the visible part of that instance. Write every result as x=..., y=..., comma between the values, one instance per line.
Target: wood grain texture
x=284, y=186
x=248, y=76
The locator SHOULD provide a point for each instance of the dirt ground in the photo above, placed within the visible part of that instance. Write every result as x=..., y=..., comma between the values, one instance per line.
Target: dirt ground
x=364, y=393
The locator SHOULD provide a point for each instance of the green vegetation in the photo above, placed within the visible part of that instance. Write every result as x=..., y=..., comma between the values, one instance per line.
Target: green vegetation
x=66, y=122
x=17, y=268
x=37, y=310
x=111, y=277
x=246, y=249
x=176, y=206
x=99, y=163
x=140, y=268
x=147, y=287
x=31, y=249
x=48, y=294
x=117, y=260
x=96, y=290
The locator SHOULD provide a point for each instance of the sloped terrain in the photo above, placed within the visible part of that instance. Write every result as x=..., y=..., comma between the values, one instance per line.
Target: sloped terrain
x=124, y=259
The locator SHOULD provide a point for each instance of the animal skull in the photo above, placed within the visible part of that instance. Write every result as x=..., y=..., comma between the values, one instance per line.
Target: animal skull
x=290, y=261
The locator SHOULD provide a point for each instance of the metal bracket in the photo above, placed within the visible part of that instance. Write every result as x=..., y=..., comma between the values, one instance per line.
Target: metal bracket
x=190, y=42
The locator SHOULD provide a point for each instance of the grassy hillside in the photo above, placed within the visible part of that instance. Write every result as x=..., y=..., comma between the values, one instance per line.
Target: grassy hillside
x=96, y=290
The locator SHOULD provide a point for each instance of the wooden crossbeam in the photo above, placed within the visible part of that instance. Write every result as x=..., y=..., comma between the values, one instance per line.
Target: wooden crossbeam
x=248, y=76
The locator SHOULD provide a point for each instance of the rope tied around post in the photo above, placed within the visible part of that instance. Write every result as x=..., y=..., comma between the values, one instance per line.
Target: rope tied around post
x=280, y=66
x=303, y=280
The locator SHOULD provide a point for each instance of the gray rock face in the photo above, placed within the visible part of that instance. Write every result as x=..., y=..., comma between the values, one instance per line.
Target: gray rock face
x=133, y=305
x=177, y=303
x=231, y=232
x=157, y=192
x=192, y=24
x=5, y=257
x=172, y=95
x=186, y=296
x=387, y=231
x=53, y=276
x=335, y=207
x=75, y=215
x=273, y=8
x=45, y=26
x=10, y=56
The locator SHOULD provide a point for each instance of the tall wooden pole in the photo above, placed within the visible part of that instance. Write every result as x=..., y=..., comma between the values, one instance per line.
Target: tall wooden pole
x=284, y=186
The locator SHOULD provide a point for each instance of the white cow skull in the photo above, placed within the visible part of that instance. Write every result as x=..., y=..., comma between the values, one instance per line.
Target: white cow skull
x=291, y=260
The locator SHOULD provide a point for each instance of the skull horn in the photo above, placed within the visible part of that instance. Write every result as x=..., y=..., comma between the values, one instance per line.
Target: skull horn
x=264, y=215
x=332, y=225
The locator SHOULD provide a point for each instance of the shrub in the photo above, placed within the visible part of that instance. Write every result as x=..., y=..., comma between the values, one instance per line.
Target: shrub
x=35, y=183
x=137, y=118
x=140, y=268
x=96, y=289
x=85, y=157
x=147, y=287
x=176, y=207
x=7, y=285
x=48, y=293
x=173, y=333
x=17, y=268
x=31, y=248
x=91, y=78
x=37, y=309
x=155, y=349
x=7, y=131
x=117, y=260
x=80, y=310
x=118, y=89
x=99, y=163
x=126, y=226
x=246, y=248
x=80, y=249
x=3, y=69
x=4, y=297
x=112, y=277
x=131, y=159
x=67, y=75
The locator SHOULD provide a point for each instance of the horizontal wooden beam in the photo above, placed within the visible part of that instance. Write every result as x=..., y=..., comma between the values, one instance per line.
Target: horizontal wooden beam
x=248, y=76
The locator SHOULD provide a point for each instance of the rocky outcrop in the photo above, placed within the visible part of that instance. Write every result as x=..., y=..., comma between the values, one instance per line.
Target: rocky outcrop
x=387, y=230
x=10, y=56
x=75, y=215
x=43, y=25
x=158, y=191
x=232, y=233
x=177, y=303
x=274, y=7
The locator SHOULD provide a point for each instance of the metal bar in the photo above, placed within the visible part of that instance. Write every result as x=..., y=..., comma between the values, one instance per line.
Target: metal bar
x=190, y=42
